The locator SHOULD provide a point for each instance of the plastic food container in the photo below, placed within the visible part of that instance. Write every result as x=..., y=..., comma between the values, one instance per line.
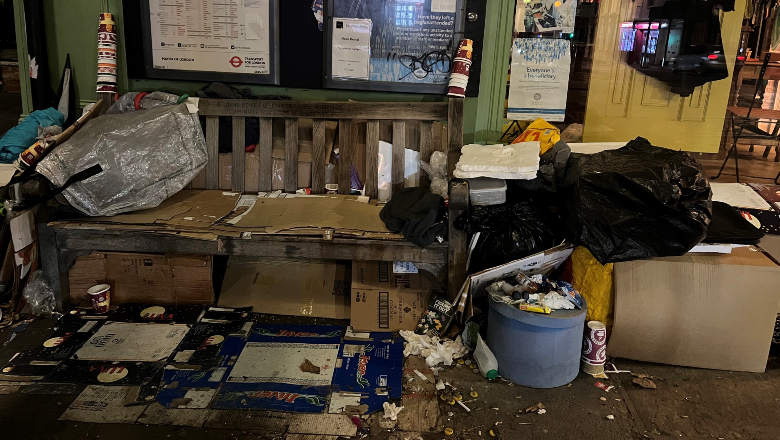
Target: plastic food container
x=486, y=191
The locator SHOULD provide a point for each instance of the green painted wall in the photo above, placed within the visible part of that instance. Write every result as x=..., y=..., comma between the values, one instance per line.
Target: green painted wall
x=71, y=27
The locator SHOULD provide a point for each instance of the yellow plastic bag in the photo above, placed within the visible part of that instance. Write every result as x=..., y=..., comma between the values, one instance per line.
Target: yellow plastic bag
x=542, y=131
x=595, y=282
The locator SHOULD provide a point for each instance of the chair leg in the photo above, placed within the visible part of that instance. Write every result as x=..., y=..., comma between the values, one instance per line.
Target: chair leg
x=777, y=177
x=752, y=147
x=767, y=150
x=736, y=162
x=777, y=153
x=733, y=147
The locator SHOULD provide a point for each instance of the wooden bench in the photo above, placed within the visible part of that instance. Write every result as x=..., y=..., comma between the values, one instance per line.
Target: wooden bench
x=61, y=242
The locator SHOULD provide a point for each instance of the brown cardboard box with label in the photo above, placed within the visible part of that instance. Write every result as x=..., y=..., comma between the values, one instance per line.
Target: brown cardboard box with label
x=281, y=286
x=706, y=311
x=169, y=279
x=388, y=296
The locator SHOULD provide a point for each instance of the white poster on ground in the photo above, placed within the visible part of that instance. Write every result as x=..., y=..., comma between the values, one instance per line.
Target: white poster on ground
x=539, y=79
x=281, y=362
x=231, y=36
x=133, y=342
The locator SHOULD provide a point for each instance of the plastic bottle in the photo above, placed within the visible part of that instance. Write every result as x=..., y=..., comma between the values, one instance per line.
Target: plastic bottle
x=488, y=365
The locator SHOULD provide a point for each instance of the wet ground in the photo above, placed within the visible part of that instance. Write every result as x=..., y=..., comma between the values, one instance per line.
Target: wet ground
x=688, y=403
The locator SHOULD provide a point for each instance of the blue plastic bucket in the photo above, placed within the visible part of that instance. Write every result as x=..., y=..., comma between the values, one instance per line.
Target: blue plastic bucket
x=536, y=350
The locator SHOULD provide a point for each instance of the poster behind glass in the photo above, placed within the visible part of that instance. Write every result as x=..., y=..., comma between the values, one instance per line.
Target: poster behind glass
x=412, y=42
x=540, y=16
x=677, y=42
x=232, y=38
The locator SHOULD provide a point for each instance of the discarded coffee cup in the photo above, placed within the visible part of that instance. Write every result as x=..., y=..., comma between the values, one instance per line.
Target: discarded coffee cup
x=100, y=296
x=594, y=347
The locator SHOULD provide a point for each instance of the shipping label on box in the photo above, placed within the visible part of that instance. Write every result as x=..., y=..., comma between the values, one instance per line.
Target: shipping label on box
x=387, y=309
x=390, y=275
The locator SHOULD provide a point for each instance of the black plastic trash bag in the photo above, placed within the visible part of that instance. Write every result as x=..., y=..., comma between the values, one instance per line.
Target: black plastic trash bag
x=728, y=226
x=508, y=232
x=637, y=202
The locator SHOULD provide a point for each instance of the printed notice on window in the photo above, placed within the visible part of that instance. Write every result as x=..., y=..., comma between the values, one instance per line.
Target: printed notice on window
x=229, y=36
x=351, y=48
x=539, y=79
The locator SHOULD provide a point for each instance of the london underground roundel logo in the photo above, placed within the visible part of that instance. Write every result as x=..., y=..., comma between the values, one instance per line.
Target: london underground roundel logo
x=236, y=62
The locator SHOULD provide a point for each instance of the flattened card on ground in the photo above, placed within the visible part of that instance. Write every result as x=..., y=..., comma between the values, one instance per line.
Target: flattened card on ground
x=102, y=404
x=286, y=362
x=124, y=341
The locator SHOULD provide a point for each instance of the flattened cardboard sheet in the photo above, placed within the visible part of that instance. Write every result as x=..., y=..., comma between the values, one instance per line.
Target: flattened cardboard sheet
x=332, y=212
x=281, y=362
x=133, y=342
x=102, y=404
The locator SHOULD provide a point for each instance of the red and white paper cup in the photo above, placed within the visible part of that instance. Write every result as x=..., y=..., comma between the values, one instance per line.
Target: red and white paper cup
x=100, y=296
x=594, y=347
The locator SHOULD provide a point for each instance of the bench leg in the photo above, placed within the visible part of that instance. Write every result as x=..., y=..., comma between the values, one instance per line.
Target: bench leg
x=456, y=258
x=55, y=264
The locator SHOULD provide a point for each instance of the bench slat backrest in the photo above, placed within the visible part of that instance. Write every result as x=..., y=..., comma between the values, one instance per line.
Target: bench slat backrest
x=358, y=133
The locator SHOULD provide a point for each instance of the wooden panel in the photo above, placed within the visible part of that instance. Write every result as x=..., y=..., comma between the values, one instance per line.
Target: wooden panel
x=199, y=182
x=318, y=157
x=372, y=159
x=345, y=155
x=455, y=134
x=265, y=151
x=422, y=111
x=258, y=246
x=359, y=148
x=397, y=164
x=225, y=171
x=212, y=148
x=426, y=149
x=291, y=155
x=239, y=146
x=251, y=169
x=413, y=135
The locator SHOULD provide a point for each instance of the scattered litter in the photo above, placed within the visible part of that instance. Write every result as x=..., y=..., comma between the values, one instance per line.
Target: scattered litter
x=448, y=431
x=434, y=350
x=391, y=411
x=644, y=382
x=535, y=408
x=308, y=367
x=603, y=399
x=601, y=375
x=420, y=375
x=610, y=417
x=464, y=406
x=610, y=368
x=467, y=362
x=435, y=370
x=473, y=393
x=603, y=386
x=640, y=375
x=439, y=385
x=494, y=409
x=518, y=397
x=541, y=411
x=569, y=385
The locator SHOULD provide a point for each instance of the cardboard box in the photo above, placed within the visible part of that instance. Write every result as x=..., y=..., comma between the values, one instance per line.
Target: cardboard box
x=170, y=279
x=706, y=311
x=318, y=288
x=388, y=296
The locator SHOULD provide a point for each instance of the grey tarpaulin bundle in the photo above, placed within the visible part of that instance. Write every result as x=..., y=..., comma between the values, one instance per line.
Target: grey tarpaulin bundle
x=146, y=156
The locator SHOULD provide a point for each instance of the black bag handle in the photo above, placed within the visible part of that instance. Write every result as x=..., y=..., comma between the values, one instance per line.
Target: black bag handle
x=78, y=177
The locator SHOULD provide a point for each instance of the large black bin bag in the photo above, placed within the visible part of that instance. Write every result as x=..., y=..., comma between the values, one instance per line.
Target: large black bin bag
x=637, y=202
